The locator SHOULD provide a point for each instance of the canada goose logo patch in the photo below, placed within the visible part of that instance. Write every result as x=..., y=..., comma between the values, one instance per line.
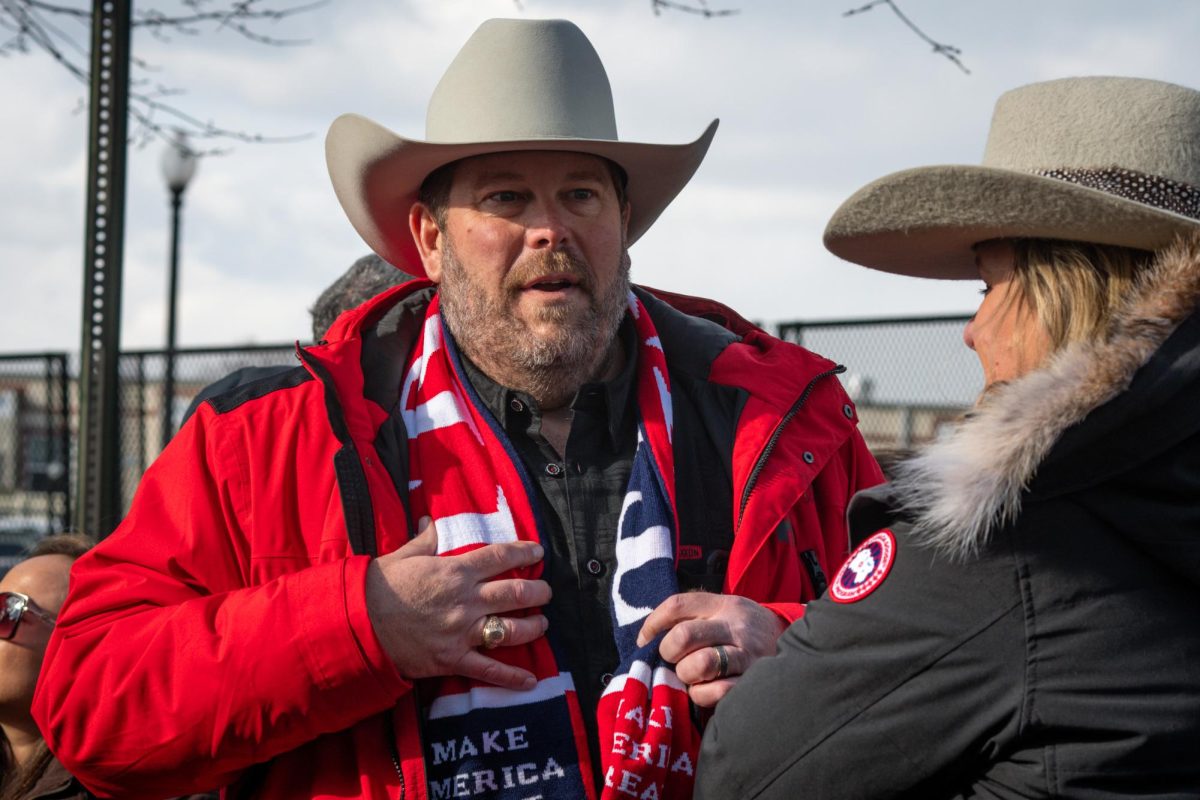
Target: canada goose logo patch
x=866, y=568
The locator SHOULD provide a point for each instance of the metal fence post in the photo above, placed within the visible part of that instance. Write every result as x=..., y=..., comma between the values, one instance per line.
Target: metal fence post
x=98, y=503
x=141, y=412
x=49, y=419
x=64, y=435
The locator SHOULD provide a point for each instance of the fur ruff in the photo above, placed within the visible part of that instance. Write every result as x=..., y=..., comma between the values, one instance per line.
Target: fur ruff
x=958, y=490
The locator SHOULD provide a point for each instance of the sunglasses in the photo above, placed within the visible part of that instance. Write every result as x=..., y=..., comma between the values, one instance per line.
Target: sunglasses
x=13, y=606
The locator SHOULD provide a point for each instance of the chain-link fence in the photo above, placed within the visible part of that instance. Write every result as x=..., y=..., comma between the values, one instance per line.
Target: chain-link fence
x=145, y=416
x=908, y=377
x=39, y=418
x=35, y=450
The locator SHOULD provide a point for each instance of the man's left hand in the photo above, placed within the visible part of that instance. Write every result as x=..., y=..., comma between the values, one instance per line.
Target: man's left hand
x=699, y=621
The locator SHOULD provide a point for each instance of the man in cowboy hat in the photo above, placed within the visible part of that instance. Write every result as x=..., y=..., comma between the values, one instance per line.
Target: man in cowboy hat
x=452, y=549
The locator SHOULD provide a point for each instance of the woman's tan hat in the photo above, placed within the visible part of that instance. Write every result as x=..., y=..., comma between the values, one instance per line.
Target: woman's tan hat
x=515, y=85
x=1104, y=160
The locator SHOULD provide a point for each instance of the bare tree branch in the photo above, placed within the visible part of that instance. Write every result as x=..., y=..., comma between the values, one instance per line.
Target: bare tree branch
x=243, y=11
x=949, y=51
x=33, y=26
x=699, y=7
x=147, y=110
x=237, y=17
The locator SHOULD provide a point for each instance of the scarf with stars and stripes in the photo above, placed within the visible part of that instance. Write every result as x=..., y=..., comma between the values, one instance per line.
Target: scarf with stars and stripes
x=484, y=741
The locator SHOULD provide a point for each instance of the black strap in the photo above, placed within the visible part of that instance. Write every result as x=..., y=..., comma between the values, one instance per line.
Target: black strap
x=352, y=481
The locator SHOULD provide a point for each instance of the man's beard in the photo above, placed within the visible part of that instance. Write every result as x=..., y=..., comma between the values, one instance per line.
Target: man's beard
x=549, y=368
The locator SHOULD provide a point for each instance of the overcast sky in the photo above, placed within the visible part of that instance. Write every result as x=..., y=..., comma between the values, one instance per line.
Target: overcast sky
x=812, y=106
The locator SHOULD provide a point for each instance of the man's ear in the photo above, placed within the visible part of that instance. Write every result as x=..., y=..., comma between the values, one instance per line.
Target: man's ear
x=428, y=238
x=626, y=211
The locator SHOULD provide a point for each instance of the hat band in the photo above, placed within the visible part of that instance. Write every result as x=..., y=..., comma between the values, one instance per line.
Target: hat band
x=1151, y=190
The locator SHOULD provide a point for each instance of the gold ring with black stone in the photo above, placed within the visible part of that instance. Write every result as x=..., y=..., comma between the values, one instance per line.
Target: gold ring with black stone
x=494, y=632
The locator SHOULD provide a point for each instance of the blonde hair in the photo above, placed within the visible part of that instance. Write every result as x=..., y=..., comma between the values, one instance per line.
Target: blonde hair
x=1074, y=288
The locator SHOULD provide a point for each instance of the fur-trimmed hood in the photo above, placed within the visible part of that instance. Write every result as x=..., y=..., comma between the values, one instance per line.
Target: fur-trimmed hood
x=1097, y=411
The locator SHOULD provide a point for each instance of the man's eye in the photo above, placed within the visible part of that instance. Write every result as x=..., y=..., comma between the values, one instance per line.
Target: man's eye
x=582, y=194
x=504, y=197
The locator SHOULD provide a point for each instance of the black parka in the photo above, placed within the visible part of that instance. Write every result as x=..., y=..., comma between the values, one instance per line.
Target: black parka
x=1038, y=633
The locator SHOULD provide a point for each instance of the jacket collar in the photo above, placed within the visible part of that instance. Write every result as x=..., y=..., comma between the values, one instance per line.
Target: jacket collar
x=380, y=333
x=961, y=488
x=55, y=780
x=704, y=342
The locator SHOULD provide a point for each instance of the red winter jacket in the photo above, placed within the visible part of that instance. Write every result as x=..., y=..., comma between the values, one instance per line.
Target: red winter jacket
x=220, y=635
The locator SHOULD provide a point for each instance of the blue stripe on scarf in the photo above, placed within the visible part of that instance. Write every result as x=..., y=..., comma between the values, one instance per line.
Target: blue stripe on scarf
x=647, y=584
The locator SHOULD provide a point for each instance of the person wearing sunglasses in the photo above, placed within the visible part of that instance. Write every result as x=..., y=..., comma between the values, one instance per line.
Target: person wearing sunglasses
x=30, y=595
x=16, y=606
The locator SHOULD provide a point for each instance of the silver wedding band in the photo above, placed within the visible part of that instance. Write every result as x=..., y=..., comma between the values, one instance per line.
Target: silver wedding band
x=493, y=632
x=722, y=661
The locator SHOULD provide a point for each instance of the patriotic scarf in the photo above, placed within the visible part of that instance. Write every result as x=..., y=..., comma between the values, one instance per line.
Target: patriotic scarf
x=484, y=741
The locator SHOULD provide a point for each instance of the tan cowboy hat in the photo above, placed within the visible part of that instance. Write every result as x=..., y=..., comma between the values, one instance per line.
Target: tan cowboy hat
x=515, y=85
x=1103, y=160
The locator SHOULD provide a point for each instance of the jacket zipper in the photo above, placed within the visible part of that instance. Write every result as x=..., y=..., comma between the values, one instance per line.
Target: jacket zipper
x=396, y=758
x=341, y=432
x=815, y=573
x=391, y=737
x=778, y=432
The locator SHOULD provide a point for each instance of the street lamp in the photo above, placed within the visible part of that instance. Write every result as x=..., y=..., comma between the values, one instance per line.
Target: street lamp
x=178, y=166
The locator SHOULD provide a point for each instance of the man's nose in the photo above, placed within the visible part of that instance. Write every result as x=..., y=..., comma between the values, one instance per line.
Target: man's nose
x=545, y=229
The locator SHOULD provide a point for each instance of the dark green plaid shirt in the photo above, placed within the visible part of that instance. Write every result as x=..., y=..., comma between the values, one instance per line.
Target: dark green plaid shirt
x=578, y=504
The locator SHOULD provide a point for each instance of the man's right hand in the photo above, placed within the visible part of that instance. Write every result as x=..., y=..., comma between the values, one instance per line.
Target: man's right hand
x=428, y=611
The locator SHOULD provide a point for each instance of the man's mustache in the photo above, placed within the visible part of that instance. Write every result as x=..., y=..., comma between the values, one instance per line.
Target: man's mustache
x=555, y=262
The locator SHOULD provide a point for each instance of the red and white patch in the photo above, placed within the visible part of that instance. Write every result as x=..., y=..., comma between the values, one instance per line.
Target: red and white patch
x=865, y=569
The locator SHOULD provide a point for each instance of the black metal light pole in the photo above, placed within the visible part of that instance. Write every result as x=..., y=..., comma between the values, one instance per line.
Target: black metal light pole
x=178, y=167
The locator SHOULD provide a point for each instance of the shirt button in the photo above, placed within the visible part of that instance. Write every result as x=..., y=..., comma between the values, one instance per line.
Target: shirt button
x=516, y=405
x=606, y=679
x=594, y=566
x=554, y=470
x=808, y=457
x=848, y=411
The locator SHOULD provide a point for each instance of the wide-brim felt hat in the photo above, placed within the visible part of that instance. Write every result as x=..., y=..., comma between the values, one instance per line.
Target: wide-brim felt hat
x=1105, y=160
x=516, y=85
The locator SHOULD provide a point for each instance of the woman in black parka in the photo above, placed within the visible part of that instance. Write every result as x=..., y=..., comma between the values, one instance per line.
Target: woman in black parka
x=1021, y=614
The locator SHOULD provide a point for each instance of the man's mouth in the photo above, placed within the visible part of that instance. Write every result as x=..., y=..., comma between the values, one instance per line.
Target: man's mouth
x=552, y=283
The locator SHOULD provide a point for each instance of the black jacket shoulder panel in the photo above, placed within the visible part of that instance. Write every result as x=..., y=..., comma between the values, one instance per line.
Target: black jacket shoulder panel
x=252, y=383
